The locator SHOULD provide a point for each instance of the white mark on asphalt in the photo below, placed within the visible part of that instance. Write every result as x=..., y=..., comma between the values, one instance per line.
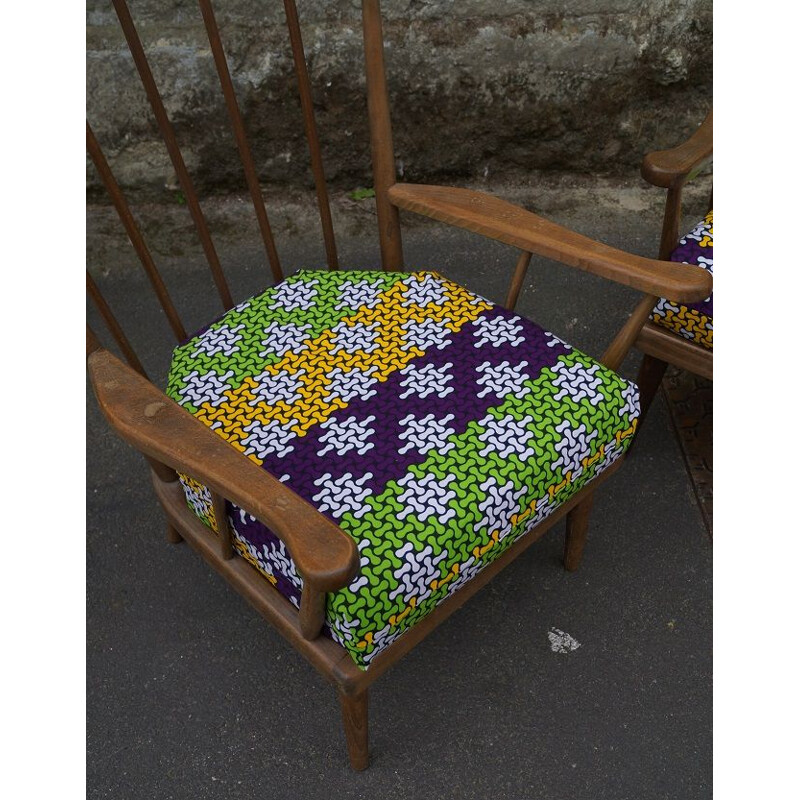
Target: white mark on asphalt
x=562, y=642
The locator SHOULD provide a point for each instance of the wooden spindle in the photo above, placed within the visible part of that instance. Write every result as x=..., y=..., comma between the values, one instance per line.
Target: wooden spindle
x=380, y=128
x=241, y=137
x=223, y=528
x=113, y=326
x=312, y=611
x=304, y=87
x=168, y=134
x=134, y=234
x=623, y=341
x=518, y=279
x=670, y=229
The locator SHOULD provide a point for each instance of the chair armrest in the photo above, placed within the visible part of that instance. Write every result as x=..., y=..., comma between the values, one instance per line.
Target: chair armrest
x=482, y=213
x=670, y=168
x=154, y=424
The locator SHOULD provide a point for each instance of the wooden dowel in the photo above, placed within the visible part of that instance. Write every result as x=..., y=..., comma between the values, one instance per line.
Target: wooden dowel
x=623, y=341
x=134, y=234
x=304, y=87
x=113, y=326
x=168, y=134
x=518, y=279
x=670, y=230
x=241, y=137
x=380, y=128
x=312, y=611
x=223, y=529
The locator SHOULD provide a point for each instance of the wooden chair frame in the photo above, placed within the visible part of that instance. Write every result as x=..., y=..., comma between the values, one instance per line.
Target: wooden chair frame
x=671, y=169
x=174, y=441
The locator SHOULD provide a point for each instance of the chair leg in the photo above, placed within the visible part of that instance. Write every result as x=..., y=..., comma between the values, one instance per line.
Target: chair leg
x=354, y=717
x=577, y=528
x=172, y=535
x=651, y=373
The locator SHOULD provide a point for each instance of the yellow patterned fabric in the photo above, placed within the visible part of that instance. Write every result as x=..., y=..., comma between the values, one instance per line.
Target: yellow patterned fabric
x=693, y=321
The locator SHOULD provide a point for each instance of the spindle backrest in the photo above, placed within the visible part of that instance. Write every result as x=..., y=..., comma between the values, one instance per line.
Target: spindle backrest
x=251, y=174
x=471, y=210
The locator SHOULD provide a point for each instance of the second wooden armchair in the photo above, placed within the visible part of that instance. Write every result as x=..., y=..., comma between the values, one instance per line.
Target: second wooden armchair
x=679, y=333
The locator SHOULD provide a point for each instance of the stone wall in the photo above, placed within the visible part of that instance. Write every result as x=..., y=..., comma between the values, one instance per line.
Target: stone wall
x=478, y=88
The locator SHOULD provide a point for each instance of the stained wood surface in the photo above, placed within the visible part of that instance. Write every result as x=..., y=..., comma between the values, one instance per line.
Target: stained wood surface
x=518, y=279
x=651, y=373
x=158, y=427
x=505, y=222
x=332, y=660
x=380, y=130
x=667, y=168
x=671, y=226
x=223, y=527
x=329, y=658
x=355, y=716
x=661, y=343
x=312, y=612
x=623, y=341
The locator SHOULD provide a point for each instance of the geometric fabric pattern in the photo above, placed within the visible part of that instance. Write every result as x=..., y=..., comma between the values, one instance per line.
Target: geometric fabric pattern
x=693, y=321
x=434, y=427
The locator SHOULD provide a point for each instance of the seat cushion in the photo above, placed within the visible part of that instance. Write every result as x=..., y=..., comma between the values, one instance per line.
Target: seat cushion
x=432, y=426
x=693, y=321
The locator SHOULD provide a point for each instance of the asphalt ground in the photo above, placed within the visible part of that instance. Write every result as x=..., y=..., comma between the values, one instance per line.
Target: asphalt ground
x=191, y=694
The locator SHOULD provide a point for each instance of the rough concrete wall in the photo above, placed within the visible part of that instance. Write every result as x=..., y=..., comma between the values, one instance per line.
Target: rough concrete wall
x=477, y=88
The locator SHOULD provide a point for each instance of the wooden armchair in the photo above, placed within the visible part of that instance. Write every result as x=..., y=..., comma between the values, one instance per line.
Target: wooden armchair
x=357, y=453
x=679, y=333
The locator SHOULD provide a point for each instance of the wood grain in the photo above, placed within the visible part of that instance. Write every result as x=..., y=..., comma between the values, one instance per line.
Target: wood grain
x=380, y=131
x=355, y=716
x=661, y=343
x=668, y=168
x=158, y=427
x=505, y=222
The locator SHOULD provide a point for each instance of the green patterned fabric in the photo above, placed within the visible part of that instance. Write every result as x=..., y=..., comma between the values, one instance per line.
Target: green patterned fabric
x=434, y=427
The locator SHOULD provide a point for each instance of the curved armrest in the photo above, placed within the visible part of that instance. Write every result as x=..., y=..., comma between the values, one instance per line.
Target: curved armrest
x=669, y=168
x=505, y=222
x=143, y=416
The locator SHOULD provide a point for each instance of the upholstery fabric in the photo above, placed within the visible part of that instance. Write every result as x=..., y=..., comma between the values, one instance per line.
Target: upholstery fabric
x=693, y=321
x=432, y=426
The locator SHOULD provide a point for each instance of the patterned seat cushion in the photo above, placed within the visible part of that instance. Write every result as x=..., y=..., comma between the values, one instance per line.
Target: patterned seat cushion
x=434, y=427
x=695, y=320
